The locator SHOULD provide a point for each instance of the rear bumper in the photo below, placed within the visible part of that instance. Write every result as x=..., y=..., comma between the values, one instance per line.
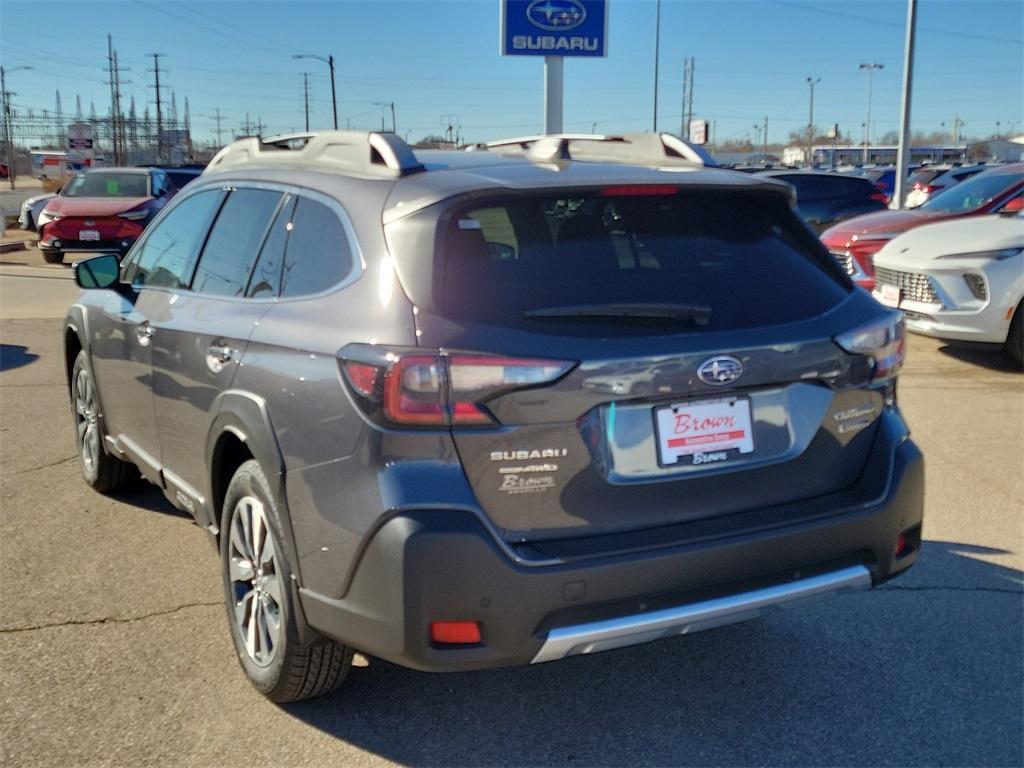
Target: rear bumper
x=86, y=246
x=434, y=565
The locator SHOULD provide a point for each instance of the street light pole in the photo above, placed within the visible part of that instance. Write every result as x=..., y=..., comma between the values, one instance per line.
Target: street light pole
x=867, y=123
x=903, y=152
x=811, y=81
x=329, y=61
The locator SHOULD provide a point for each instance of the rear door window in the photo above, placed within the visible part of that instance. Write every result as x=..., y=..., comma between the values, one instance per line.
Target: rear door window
x=739, y=257
x=234, y=242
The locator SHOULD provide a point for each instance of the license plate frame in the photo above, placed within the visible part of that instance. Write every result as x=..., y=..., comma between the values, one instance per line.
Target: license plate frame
x=889, y=295
x=703, y=432
x=89, y=235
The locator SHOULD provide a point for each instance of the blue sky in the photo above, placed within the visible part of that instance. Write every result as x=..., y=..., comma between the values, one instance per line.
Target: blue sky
x=435, y=58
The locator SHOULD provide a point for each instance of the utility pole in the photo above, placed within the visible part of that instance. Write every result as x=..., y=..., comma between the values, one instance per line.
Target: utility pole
x=811, y=81
x=903, y=151
x=766, y=139
x=957, y=124
x=305, y=95
x=688, y=96
x=111, y=69
x=867, y=122
x=386, y=105
x=682, y=116
x=5, y=100
x=218, y=117
x=159, y=107
x=657, y=51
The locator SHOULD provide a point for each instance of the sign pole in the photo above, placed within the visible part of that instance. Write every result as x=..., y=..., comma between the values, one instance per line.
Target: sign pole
x=554, y=71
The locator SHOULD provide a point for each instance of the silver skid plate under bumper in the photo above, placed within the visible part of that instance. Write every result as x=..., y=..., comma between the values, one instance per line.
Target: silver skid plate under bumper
x=685, y=619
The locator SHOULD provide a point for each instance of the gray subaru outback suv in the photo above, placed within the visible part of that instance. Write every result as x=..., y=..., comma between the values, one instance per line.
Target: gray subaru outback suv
x=467, y=409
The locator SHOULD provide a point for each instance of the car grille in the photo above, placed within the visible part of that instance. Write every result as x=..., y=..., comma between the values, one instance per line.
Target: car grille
x=912, y=285
x=845, y=261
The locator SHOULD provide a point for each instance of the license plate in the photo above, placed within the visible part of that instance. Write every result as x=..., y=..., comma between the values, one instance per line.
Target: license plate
x=704, y=432
x=88, y=234
x=888, y=295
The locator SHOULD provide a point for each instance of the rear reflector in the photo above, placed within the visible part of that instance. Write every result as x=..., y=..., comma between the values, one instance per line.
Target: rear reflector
x=455, y=632
x=901, y=545
x=635, y=190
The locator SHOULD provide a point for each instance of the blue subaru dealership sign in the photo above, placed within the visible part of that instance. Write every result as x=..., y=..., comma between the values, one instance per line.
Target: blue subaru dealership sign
x=554, y=27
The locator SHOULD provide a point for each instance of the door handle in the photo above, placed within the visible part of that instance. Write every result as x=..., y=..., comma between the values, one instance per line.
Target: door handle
x=217, y=356
x=144, y=333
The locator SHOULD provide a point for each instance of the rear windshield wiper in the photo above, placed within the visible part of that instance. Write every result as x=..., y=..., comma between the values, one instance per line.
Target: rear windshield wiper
x=693, y=313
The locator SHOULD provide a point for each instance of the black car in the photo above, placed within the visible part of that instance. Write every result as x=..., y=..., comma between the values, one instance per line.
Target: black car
x=826, y=198
x=461, y=410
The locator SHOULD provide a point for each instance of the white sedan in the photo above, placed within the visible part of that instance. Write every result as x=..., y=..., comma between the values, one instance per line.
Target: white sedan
x=961, y=280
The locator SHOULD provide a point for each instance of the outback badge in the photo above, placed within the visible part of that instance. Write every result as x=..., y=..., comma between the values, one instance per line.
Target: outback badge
x=720, y=370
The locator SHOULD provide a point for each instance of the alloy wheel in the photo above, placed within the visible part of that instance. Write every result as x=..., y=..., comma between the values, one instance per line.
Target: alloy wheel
x=256, y=582
x=87, y=420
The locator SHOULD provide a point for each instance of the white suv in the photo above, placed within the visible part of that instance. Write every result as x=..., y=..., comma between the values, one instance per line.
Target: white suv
x=961, y=280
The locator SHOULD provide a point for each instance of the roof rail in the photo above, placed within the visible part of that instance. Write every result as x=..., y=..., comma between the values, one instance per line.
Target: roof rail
x=629, y=148
x=358, y=153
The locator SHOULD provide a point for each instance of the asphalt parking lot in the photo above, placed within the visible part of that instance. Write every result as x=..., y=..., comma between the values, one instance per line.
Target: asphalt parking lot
x=114, y=648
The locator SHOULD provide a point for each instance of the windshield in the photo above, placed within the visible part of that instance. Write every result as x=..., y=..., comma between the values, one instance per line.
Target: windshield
x=94, y=184
x=971, y=194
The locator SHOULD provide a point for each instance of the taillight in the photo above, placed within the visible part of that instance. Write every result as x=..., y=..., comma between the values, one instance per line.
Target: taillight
x=433, y=388
x=883, y=342
x=880, y=197
x=932, y=188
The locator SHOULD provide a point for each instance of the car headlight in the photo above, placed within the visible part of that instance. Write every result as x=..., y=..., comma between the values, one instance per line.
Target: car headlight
x=52, y=215
x=133, y=215
x=1005, y=253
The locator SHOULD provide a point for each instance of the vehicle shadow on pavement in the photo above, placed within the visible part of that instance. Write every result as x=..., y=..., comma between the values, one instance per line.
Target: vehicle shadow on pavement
x=992, y=358
x=925, y=670
x=147, y=496
x=15, y=356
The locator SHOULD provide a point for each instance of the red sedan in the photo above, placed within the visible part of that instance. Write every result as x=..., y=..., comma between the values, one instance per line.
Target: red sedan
x=855, y=241
x=102, y=209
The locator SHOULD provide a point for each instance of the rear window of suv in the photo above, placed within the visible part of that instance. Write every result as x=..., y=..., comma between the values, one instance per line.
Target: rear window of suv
x=537, y=261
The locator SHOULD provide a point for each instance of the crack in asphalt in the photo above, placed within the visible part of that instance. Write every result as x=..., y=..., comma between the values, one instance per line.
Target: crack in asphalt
x=996, y=590
x=45, y=466
x=109, y=619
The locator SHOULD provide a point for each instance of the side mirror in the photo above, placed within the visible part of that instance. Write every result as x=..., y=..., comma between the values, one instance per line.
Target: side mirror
x=1013, y=206
x=97, y=272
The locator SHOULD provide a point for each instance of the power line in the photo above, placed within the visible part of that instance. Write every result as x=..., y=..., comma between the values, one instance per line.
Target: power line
x=899, y=25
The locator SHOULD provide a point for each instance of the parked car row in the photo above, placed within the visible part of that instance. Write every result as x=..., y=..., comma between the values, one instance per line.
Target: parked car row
x=94, y=190
x=954, y=264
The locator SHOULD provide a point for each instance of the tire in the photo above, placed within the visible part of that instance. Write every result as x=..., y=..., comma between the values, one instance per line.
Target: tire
x=261, y=601
x=1014, y=345
x=53, y=257
x=102, y=471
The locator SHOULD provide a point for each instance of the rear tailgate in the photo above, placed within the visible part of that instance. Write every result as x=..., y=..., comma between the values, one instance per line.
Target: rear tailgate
x=728, y=395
